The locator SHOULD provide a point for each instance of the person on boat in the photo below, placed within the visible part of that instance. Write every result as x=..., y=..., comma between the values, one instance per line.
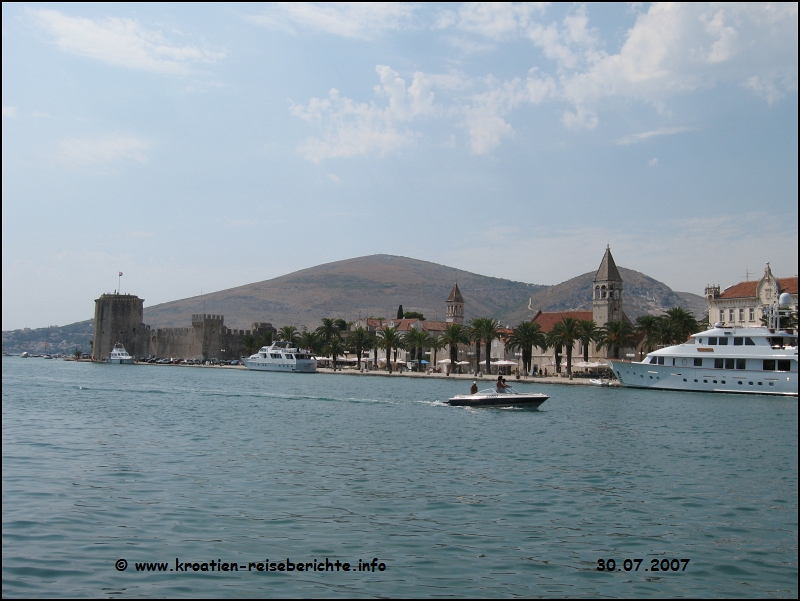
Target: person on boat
x=474, y=388
x=501, y=385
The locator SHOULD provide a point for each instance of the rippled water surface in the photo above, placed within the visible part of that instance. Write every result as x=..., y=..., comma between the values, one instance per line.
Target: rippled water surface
x=150, y=464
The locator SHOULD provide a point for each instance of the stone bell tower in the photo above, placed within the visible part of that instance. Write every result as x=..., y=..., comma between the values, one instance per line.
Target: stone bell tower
x=607, y=292
x=455, y=306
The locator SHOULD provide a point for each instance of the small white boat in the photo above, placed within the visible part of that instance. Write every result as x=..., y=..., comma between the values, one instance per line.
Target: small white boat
x=600, y=381
x=119, y=355
x=492, y=398
x=25, y=355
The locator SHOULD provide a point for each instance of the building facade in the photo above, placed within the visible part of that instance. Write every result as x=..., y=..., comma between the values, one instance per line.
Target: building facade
x=119, y=318
x=745, y=303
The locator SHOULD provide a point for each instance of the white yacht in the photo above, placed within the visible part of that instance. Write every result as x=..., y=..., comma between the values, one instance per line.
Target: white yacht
x=119, y=355
x=754, y=360
x=281, y=357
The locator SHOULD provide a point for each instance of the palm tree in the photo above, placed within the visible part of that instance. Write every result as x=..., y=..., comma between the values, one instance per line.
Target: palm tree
x=588, y=331
x=683, y=322
x=617, y=334
x=265, y=340
x=648, y=325
x=288, y=334
x=435, y=345
x=524, y=337
x=329, y=329
x=666, y=331
x=476, y=335
x=310, y=341
x=489, y=331
x=248, y=344
x=414, y=341
x=453, y=335
x=341, y=324
x=334, y=347
x=389, y=338
x=565, y=333
x=360, y=340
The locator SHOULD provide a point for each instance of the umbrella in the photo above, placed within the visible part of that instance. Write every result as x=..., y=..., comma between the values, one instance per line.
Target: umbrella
x=444, y=361
x=423, y=361
x=462, y=362
x=504, y=362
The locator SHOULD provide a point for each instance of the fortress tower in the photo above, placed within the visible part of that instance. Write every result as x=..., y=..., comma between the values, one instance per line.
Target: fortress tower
x=607, y=292
x=455, y=306
x=118, y=318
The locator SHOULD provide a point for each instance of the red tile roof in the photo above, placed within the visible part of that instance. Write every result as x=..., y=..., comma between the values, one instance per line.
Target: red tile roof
x=748, y=289
x=548, y=320
x=434, y=326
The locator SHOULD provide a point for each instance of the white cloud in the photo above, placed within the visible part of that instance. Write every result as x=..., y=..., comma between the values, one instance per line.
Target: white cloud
x=653, y=162
x=642, y=136
x=91, y=152
x=353, y=128
x=9, y=111
x=121, y=42
x=347, y=19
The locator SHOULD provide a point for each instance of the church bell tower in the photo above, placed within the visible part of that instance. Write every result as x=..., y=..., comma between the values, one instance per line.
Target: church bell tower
x=455, y=306
x=607, y=292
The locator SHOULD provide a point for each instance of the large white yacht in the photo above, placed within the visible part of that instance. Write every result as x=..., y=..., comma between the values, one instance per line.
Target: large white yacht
x=281, y=357
x=755, y=360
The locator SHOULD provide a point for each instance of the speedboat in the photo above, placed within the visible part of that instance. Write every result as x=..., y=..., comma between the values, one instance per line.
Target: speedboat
x=119, y=355
x=492, y=398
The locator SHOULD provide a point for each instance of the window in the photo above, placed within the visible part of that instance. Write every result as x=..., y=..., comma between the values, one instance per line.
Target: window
x=752, y=314
x=698, y=363
x=730, y=314
x=769, y=364
x=749, y=342
x=653, y=361
x=723, y=341
x=661, y=361
x=729, y=363
x=741, y=364
x=741, y=314
x=719, y=363
x=712, y=341
x=783, y=364
x=738, y=341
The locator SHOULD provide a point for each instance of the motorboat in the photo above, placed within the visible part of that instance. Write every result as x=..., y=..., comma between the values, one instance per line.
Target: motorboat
x=492, y=398
x=729, y=359
x=119, y=356
x=281, y=356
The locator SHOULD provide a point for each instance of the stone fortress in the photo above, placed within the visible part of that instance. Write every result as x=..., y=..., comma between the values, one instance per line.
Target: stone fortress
x=119, y=318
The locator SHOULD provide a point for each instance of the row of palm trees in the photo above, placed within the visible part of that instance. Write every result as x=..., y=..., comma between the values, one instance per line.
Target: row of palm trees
x=675, y=326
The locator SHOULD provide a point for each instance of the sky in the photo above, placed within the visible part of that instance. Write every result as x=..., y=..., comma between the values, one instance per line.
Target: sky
x=200, y=147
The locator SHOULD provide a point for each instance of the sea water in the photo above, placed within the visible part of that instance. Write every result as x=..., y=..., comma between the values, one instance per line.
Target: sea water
x=193, y=469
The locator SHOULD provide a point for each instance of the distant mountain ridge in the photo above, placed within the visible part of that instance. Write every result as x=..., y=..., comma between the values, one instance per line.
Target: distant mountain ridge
x=374, y=286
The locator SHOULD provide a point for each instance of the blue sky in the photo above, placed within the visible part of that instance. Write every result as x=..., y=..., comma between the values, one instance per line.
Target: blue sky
x=200, y=147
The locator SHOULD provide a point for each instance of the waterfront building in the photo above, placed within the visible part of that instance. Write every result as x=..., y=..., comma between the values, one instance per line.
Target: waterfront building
x=744, y=304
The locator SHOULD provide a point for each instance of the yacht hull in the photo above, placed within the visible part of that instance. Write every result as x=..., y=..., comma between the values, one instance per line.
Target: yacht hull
x=498, y=400
x=663, y=377
x=308, y=367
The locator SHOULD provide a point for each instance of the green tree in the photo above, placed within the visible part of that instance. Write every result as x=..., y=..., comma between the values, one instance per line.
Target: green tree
x=666, y=331
x=524, y=337
x=360, y=340
x=389, y=338
x=476, y=335
x=648, y=325
x=400, y=312
x=341, y=324
x=616, y=334
x=588, y=334
x=413, y=315
x=453, y=335
x=683, y=322
x=565, y=333
x=287, y=334
x=334, y=348
x=77, y=353
x=249, y=344
x=310, y=341
x=329, y=329
x=415, y=341
x=489, y=330
x=435, y=344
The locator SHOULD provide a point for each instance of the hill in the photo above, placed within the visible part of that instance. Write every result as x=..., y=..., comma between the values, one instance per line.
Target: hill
x=374, y=286
x=365, y=286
